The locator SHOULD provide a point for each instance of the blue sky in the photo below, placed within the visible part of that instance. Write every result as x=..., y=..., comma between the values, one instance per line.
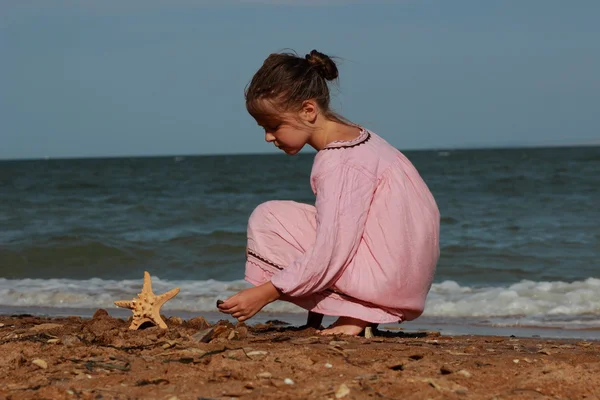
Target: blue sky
x=154, y=77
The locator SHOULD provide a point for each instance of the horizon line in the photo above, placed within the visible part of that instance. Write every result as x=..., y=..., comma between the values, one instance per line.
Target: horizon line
x=412, y=150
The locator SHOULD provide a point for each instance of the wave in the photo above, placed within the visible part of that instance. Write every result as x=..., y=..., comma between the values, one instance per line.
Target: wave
x=551, y=304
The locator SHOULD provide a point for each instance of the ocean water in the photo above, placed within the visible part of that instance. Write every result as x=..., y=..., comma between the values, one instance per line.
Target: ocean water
x=520, y=232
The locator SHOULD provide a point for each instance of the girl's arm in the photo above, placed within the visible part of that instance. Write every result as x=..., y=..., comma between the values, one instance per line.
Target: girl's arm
x=344, y=195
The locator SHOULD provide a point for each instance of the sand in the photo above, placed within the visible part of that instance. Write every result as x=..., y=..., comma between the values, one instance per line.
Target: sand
x=99, y=358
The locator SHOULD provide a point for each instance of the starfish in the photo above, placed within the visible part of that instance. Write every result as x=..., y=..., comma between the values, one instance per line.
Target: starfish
x=146, y=308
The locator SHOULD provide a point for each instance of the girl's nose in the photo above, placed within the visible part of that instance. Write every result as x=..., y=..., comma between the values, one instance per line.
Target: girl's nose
x=269, y=137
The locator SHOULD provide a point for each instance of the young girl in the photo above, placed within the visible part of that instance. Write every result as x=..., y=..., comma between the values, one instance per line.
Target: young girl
x=367, y=251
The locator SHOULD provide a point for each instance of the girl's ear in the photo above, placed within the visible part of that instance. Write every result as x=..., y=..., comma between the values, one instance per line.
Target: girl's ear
x=310, y=111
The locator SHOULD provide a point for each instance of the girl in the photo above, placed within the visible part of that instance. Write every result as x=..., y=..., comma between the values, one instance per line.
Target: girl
x=367, y=251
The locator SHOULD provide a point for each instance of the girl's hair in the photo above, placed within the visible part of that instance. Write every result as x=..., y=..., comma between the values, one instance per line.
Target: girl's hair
x=285, y=81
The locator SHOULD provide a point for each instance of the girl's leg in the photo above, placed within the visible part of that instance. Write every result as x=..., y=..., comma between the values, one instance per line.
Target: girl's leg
x=278, y=233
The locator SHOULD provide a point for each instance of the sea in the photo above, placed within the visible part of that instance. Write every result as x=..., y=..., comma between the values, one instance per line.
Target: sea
x=520, y=235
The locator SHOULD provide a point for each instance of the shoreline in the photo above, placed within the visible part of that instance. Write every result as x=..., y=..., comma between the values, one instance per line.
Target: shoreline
x=99, y=357
x=454, y=327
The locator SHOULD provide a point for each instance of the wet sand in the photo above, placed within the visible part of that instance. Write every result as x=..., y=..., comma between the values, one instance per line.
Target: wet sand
x=100, y=358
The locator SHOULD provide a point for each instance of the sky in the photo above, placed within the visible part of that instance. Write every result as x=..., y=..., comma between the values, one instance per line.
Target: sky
x=166, y=77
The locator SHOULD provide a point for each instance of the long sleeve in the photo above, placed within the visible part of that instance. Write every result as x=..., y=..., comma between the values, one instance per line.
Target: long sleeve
x=344, y=195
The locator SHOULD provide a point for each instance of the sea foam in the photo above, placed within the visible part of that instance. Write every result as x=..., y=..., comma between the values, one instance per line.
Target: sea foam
x=556, y=304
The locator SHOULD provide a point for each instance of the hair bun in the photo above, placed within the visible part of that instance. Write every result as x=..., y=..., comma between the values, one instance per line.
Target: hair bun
x=322, y=64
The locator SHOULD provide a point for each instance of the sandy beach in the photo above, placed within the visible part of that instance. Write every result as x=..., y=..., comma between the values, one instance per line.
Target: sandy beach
x=100, y=358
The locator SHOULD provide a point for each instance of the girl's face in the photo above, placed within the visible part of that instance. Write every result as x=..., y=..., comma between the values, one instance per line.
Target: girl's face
x=286, y=132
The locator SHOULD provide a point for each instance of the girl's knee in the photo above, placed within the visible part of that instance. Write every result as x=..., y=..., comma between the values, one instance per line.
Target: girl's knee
x=263, y=212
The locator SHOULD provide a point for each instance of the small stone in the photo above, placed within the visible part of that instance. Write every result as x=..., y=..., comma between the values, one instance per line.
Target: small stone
x=40, y=363
x=264, y=375
x=226, y=323
x=445, y=370
x=52, y=341
x=221, y=331
x=369, y=332
x=204, y=336
x=100, y=313
x=198, y=323
x=288, y=381
x=516, y=361
x=175, y=320
x=342, y=391
x=257, y=355
x=169, y=344
x=237, y=354
x=464, y=373
x=70, y=340
x=327, y=365
x=242, y=332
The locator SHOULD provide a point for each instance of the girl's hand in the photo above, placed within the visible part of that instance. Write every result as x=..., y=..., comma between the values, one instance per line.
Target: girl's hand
x=248, y=302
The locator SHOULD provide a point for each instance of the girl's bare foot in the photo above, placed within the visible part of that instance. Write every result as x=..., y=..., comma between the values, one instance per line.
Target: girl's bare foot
x=346, y=326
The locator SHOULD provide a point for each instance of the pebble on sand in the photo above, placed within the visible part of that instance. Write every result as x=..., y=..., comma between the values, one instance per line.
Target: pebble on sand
x=40, y=363
x=342, y=391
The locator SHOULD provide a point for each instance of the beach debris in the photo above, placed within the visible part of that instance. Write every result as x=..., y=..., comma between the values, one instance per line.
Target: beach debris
x=204, y=336
x=288, y=381
x=40, y=363
x=342, y=391
x=146, y=308
x=327, y=365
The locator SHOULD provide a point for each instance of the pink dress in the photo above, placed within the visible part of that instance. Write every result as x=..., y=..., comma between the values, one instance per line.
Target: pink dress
x=369, y=247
